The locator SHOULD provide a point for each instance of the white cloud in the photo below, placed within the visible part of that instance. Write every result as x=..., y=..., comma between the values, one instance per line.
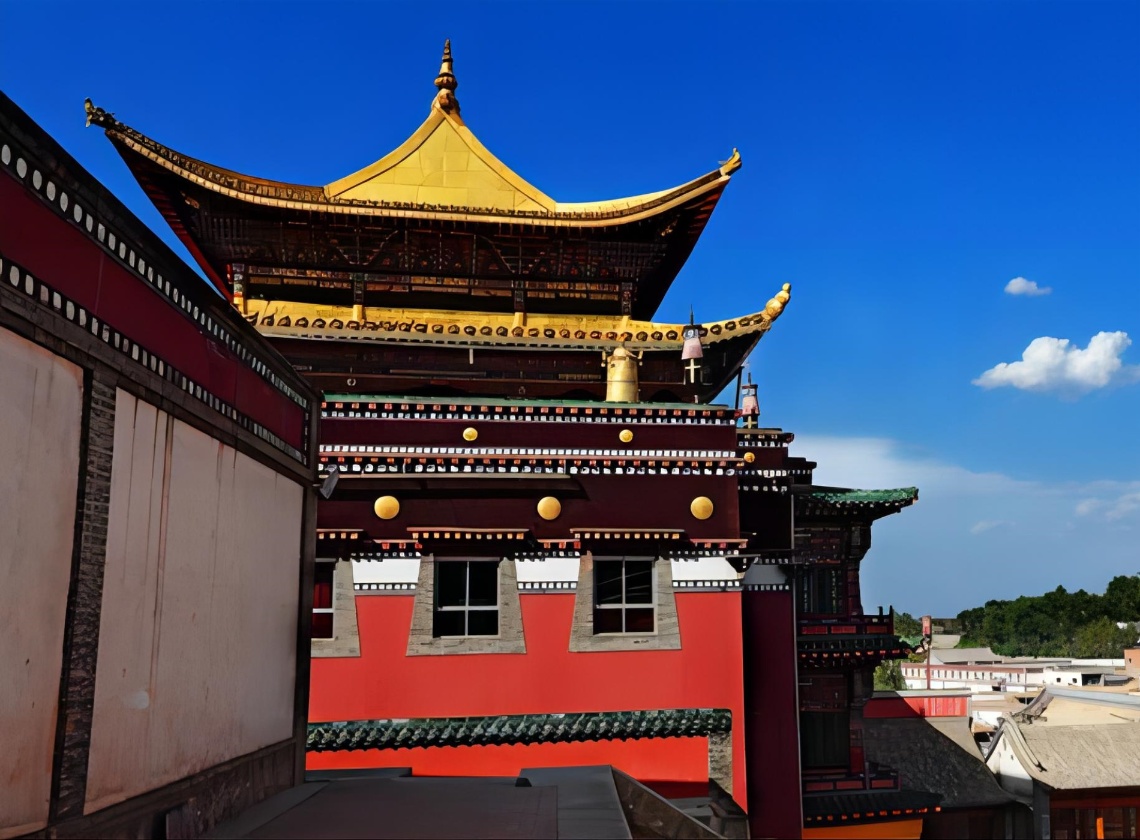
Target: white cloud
x=929, y=558
x=1087, y=506
x=1027, y=288
x=1054, y=364
x=983, y=525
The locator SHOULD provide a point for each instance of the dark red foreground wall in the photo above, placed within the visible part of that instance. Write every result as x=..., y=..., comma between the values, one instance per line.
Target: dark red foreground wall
x=771, y=722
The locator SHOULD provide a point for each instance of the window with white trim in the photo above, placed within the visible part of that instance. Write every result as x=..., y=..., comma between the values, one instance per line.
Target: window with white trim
x=323, y=573
x=624, y=596
x=466, y=598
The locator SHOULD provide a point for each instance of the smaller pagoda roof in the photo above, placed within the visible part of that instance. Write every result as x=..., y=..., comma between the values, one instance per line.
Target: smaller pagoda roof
x=291, y=319
x=812, y=500
x=835, y=496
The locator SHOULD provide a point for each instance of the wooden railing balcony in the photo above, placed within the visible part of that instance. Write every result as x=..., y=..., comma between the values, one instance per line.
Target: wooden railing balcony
x=876, y=778
x=850, y=625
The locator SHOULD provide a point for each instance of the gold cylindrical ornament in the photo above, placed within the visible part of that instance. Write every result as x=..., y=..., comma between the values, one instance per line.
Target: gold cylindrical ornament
x=387, y=507
x=549, y=508
x=625, y=436
x=621, y=376
x=701, y=507
x=469, y=434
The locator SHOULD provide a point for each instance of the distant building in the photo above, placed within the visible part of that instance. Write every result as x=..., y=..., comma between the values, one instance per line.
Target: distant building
x=1073, y=756
x=982, y=671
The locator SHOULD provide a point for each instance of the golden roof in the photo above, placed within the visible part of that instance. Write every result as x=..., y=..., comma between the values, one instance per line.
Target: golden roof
x=441, y=171
x=280, y=318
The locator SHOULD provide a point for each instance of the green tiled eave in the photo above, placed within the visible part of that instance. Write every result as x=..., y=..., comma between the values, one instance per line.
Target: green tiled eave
x=901, y=495
x=516, y=729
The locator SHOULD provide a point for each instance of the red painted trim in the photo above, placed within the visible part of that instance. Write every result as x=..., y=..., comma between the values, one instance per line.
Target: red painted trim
x=67, y=259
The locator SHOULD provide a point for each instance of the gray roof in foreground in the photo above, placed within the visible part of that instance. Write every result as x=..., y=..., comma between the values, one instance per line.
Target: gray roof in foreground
x=937, y=755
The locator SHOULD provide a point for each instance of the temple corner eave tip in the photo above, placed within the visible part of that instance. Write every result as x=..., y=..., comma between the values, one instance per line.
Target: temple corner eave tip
x=727, y=167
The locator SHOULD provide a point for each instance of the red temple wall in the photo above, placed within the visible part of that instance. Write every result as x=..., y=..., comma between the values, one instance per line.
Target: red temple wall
x=386, y=683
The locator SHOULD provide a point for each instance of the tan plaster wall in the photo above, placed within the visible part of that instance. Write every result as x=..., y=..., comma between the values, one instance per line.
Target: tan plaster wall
x=41, y=406
x=197, y=643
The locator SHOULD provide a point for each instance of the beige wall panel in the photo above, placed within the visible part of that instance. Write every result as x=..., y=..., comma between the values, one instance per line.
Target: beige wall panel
x=222, y=631
x=41, y=404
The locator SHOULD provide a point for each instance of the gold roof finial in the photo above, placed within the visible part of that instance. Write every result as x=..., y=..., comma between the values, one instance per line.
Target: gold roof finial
x=446, y=83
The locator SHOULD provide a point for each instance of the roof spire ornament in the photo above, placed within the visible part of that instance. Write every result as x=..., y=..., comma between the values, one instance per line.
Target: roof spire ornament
x=446, y=83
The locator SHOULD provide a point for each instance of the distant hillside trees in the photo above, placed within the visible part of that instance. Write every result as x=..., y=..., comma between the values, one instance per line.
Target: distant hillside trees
x=1058, y=623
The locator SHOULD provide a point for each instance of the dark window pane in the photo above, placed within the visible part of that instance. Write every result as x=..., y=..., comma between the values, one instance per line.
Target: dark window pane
x=824, y=739
x=483, y=622
x=639, y=620
x=449, y=623
x=607, y=621
x=607, y=582
x=639, y=582
x=451, y=583
x=322, y=585
x=322, y=625
x=483, y=586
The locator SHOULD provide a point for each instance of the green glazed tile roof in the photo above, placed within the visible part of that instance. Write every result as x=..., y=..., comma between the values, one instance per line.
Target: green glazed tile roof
x=516, y=729
x=863, y=497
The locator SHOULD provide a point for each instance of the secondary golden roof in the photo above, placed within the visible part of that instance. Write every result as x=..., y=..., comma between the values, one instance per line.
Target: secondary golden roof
x=441, y=171
x=288, y=319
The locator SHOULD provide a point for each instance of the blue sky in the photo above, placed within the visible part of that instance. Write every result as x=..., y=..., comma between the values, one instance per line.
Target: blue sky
x=903, y=162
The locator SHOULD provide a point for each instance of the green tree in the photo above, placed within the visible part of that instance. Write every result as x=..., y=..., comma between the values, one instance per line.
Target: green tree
x=1102, y=639
x=907, y=625
x=889, y=677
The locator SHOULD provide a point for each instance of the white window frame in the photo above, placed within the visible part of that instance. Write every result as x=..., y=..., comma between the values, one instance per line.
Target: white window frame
x=331, y=608
x=623, y=605
x=466, y=608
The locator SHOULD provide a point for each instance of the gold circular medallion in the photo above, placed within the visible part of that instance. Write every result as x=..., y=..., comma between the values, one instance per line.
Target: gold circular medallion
x=470, y=433
x=625, y=435
x=387, y=507
x=549, y=508
x=749, y=457
x=701, y=507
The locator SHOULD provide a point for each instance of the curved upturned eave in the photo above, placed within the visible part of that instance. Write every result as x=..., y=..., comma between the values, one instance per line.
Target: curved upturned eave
x=491, y=329
x=313, y=199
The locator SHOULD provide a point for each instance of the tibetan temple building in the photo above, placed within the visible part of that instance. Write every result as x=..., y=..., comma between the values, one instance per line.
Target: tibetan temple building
x=547, y=544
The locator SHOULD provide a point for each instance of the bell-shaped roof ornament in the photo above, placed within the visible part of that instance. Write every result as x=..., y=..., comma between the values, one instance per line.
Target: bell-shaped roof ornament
x=691, y=349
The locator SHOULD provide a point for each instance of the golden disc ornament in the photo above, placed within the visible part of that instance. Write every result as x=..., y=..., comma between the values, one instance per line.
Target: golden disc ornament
x=749, y=457
x=469, y=434
x=387, y=507
x=625, y=436
x=549, y=508
x=701, y=507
